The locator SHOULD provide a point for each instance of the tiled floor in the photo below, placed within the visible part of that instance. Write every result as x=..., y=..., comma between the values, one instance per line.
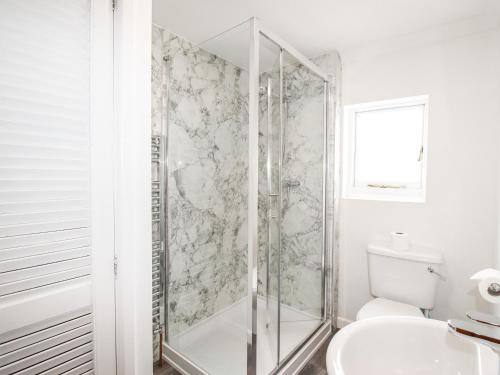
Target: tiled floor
x=166, y=369
x=316, y=366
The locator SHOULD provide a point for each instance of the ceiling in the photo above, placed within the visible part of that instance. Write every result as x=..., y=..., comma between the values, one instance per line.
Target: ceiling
x=317, y=26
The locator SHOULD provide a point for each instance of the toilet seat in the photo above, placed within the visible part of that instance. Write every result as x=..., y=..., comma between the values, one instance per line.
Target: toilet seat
x=385, y=307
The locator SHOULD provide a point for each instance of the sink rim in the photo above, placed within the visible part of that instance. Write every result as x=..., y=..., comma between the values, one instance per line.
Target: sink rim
x=334, y=351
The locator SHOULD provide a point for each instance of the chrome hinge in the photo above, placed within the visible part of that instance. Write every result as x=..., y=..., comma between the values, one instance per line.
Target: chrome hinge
x=115, y=265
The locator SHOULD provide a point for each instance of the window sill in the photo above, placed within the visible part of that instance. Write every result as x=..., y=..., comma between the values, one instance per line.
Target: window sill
x=387, y=195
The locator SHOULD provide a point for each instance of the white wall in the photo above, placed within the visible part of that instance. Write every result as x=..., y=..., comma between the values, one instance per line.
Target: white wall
x=462, y=77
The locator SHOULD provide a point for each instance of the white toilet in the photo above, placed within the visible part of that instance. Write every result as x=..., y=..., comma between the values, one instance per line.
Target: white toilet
x=404, y=283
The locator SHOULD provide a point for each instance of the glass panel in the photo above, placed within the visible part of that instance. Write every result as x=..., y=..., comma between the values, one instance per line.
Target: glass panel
x=269, y=206
x=302, y=241
x=207, y=200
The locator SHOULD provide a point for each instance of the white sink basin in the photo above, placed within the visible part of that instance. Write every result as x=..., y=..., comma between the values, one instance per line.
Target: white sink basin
x=407, y=346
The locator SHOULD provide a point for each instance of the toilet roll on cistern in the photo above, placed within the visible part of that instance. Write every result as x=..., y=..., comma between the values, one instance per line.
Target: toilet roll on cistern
x=489, y=284
x=400, y=241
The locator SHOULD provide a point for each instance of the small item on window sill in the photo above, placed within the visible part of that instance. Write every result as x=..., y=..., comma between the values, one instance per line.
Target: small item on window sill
x=386, y=186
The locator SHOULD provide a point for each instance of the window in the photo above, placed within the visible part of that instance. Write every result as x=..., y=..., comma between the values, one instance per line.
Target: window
x=385, y=150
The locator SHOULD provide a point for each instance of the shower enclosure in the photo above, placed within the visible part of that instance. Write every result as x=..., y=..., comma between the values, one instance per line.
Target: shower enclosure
x=241, y=255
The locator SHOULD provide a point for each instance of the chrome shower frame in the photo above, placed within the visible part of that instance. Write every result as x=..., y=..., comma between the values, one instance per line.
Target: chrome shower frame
x=295, y=360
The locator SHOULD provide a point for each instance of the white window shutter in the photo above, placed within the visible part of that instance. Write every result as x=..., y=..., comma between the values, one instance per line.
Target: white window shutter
x=45, y=262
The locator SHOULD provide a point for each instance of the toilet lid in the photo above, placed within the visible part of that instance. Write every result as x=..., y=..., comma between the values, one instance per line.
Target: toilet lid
x=384, y=307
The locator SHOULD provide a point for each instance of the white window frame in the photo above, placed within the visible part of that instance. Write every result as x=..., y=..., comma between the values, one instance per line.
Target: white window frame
x=400, y=194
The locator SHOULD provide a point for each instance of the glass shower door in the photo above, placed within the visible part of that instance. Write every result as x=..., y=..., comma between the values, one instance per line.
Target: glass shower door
x=291, y=204
x=269, y=206
x=302, y=204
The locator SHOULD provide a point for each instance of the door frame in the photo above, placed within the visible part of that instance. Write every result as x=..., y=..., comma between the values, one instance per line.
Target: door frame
x=102, y=185
x=133, y=227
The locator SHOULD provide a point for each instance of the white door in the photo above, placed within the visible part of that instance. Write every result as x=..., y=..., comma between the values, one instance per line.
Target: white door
x=56, y=187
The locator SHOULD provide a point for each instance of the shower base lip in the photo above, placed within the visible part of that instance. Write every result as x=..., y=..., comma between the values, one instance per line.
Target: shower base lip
x=300, y=349
x=300, y=356
x=292, y=366
x=179, y=362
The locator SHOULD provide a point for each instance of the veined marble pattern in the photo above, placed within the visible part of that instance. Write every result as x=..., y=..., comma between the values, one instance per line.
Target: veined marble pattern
x=332, y=65
x=207, y=184
x=301, y=184
x=268, y=228
x=302, y=179
x=157, y=80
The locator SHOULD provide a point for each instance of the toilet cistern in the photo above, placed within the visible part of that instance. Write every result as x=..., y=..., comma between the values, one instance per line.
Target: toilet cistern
x=404, y=283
